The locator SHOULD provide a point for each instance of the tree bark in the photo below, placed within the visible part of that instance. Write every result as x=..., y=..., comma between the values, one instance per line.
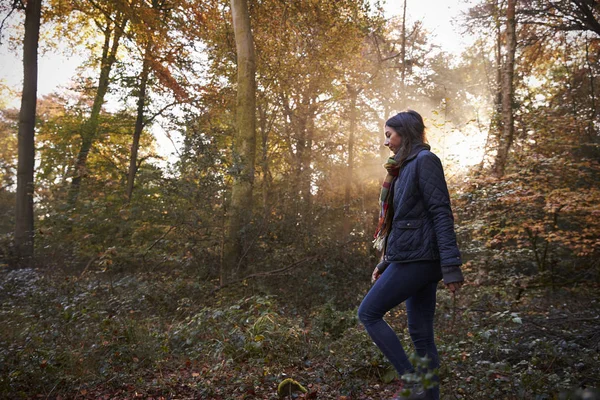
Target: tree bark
x=499, y=68
x=495, y=126
x=384, y=151
x=244, y=147
x=592, y=78
x=306, y=162
x=24, y=236
x=507, y=134
x=264, y=161
x=89, y=129
x=139, y=123
x=302, y=157
x=353, y=92
x=403, y=55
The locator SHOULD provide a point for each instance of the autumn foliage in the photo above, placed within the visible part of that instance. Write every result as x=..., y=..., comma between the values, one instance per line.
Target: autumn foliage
x=125, y=298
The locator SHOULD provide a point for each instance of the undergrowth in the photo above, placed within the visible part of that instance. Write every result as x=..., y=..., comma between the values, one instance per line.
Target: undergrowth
x=67, y=336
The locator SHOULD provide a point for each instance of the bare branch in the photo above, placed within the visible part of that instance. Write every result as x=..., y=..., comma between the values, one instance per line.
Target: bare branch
x=273, y=272
x=159, y=112
x=17, y=5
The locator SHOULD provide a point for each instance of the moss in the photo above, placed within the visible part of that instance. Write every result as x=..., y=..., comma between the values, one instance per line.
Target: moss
x=289, y=386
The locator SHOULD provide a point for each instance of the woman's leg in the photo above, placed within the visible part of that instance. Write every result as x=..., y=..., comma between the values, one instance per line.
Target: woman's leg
x=421, y=309
x=398, y=283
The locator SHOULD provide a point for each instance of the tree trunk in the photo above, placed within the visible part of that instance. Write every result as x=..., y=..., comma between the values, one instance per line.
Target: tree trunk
x=507, y=134
x=306, y=185
x=593, y=111
x=497, y=120
x=139, y=123
x=403, y=55
x=244, y=146
x=26, y=136
x=302, y=172
x=264, y=138
x=384, y=151
x=89, y=129
x=347, y=228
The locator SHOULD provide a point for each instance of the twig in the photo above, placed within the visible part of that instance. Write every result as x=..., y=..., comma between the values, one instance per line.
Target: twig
x=159, y=112
x=453, y=312
x=154, y=244
x=159, y=239
x=278, y=271
x=88, y=265
x=596, y=318
x=336, y=369
x=17, y=5
x=551, y=332
x=550, y=365
x=267, y=273
x=48, y=396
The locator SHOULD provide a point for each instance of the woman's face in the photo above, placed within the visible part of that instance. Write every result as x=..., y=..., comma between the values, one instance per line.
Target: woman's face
x=392, y=139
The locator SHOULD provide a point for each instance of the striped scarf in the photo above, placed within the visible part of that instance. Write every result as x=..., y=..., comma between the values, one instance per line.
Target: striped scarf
x=385, y=201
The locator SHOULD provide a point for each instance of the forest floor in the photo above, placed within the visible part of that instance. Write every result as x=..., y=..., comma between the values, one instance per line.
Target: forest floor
x=172, y=336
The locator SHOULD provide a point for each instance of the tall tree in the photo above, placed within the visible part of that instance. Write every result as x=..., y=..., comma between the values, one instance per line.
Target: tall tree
x=149, y=16
x=403, y=56
x=112, y=22
x=26, y=143
x=353, y=93
x=240, y=210
x=508, y=127
x=139, y=123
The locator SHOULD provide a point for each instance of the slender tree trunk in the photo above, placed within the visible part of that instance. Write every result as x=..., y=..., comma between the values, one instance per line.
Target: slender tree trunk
x=300, y=127
x=499, y=67
x=507, y=135
x=348, y=182
x=139, y=123
x=495, y=127
x=89, y=129
x=306, y=168
x=240, y=209
x=384, y=151
x=264, y=161
x=26, y=136
x=288, y=207
x=403, y=55
x=593, y=111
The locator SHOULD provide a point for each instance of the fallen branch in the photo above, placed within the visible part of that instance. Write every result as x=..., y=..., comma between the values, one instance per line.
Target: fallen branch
x=154, y=244
x=267, y=273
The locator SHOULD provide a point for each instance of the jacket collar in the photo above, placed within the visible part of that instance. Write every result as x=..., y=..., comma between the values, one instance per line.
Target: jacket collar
x=416, y=149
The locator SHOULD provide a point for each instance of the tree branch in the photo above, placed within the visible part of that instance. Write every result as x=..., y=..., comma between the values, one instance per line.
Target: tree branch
x=159, y=112
x=17, y=5
x=268, y=273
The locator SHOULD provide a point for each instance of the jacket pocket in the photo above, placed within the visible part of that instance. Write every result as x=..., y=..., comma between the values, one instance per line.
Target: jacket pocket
x=406, y=235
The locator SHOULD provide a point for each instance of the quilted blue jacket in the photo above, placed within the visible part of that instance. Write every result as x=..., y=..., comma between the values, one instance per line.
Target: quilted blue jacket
x=423, y=224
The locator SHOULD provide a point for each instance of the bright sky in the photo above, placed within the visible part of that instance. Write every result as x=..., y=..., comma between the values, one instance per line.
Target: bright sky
x=54, y=70
x=438, y=16
x=462, y=147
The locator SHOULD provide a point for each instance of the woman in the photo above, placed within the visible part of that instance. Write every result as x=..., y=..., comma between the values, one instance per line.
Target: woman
x=416, y=235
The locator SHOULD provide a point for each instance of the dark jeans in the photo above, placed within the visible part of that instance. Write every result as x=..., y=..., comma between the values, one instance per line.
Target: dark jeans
x=416, y=284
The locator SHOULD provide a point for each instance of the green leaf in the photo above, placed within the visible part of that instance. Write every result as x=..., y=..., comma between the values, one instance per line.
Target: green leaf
x=389, y=375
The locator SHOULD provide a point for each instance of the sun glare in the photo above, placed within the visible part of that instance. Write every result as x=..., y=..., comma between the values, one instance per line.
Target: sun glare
x=458, y=148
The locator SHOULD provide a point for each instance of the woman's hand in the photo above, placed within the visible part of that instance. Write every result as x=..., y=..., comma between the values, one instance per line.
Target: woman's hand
x=454, y=286
x=375, y=275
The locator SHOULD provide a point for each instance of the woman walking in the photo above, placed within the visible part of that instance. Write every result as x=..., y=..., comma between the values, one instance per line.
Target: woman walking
x=416, y=235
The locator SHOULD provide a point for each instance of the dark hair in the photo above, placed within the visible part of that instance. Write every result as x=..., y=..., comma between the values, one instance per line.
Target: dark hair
x=409, y=125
